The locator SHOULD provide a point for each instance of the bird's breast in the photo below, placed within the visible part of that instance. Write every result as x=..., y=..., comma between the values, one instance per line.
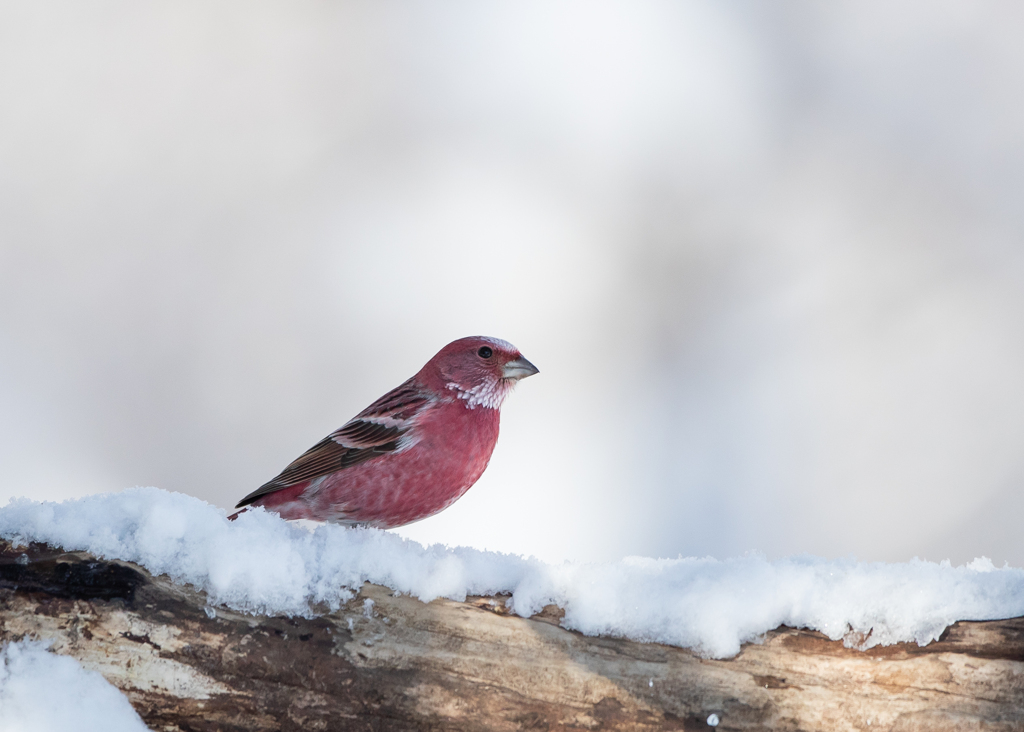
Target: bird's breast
x=459, y=440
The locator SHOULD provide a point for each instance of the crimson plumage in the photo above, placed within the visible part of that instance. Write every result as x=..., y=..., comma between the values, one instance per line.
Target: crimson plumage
x=411, y=453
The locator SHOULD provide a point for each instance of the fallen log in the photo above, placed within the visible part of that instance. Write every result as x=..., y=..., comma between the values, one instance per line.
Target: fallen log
x=386, y=662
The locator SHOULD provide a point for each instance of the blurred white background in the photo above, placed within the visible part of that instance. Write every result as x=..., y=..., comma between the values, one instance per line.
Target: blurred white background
x=768, y=259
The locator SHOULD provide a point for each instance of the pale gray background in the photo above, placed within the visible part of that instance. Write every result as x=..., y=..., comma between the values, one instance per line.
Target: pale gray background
x=768, y=258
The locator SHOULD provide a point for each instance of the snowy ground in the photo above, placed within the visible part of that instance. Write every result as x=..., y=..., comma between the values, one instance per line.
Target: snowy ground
x=263, y=564
x=29, y=676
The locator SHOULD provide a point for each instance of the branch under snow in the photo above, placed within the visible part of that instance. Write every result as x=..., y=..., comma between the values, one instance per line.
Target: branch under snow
x=388, y=661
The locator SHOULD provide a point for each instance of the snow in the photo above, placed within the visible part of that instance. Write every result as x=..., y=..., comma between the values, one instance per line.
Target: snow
x=29, y=676
x=262, y=564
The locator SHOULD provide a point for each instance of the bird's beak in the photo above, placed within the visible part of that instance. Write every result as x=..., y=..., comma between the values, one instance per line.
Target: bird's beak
x=518, y=369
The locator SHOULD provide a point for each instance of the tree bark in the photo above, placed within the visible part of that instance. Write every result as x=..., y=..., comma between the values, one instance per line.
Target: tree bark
x=394, y=663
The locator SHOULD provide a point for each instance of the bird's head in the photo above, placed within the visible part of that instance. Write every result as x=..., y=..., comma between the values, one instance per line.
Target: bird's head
x=477, y=369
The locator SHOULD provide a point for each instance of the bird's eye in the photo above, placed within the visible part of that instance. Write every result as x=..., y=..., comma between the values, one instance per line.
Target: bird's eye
x=485, y=352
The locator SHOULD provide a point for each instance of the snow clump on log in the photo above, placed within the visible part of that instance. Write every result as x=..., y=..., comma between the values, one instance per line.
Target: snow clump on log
x=263, y=564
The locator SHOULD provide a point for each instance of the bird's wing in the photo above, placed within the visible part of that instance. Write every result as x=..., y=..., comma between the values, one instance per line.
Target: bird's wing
x=375, y=431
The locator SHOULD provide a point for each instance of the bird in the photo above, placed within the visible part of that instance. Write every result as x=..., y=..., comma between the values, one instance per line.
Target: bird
x=410, y=454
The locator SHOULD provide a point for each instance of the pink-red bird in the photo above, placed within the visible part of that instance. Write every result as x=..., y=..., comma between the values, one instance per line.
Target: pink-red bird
x=413, y=452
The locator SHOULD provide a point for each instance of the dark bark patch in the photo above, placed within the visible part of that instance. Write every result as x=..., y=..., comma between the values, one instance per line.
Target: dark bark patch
x=90, y=580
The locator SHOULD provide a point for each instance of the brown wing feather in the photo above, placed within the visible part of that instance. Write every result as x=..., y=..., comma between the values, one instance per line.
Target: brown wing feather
x=400, y=403
x=357, y=441
x=359, y=433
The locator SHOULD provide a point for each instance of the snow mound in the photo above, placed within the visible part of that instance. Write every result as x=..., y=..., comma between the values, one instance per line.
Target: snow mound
x=84, y=701
x=262, y=564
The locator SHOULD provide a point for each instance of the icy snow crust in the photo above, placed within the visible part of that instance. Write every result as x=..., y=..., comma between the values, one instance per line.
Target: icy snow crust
x=262, y=564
